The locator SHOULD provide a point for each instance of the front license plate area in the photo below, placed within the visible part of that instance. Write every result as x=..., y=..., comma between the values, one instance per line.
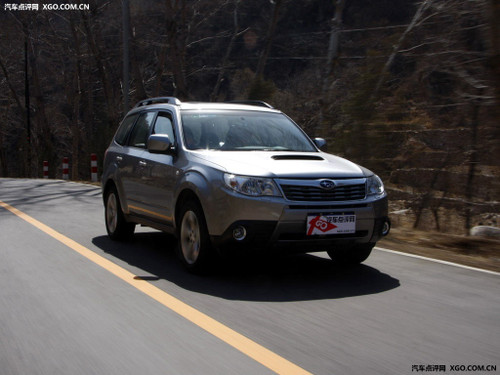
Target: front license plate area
x=325, y=224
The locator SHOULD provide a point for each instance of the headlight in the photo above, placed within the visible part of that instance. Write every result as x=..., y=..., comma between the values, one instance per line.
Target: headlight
x=253, y=186
x=374, y=185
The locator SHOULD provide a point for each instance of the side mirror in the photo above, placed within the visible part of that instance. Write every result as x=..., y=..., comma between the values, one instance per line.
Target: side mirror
x=320, y=143
x=160, y=144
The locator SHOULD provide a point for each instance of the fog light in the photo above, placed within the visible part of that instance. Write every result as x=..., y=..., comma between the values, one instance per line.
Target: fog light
x=386, y=227
x=239, y=233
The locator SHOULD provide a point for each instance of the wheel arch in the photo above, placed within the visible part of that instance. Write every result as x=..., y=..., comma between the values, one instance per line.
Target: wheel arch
x=110, y=184
x=105, y=189
x=185, y=195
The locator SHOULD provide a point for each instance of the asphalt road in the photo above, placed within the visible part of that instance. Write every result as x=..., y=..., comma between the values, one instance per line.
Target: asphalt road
x=62, y=312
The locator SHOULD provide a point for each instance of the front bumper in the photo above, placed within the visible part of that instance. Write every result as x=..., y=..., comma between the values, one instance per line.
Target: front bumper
x=278, y=224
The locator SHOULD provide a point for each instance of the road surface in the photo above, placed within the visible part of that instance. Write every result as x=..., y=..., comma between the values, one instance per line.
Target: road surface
x=74, y=302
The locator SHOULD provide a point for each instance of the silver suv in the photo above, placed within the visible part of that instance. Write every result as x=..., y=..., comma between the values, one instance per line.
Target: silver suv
x=237, y=177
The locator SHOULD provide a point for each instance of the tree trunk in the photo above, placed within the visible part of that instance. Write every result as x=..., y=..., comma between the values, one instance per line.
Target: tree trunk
x=4, y=171
x=140, y=91
x=334, y=43
x=331, y=58
x=424, y=5
x=269, y=40
x=160, y=68
x=494, y=16
x=22, y=109
x=104, y=71
x=495, y=48
x=176, y=39
x=75, y=130
x=473, y=161
x=77, y=97
x=43, y=129
x=222, y=71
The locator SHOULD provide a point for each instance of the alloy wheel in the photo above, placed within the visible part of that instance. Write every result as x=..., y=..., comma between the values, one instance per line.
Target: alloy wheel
x=190, y=237
x=112, y=213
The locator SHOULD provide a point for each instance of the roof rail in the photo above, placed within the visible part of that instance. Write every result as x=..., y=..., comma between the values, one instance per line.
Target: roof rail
x=160, y=99
x=258, y=103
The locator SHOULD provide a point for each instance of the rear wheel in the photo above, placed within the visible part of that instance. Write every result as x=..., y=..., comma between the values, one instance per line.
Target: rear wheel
x=194, y=249
x=351, y=255
x=116, y=225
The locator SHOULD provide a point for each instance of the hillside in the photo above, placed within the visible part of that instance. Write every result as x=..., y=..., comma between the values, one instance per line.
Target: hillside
x=407, y=89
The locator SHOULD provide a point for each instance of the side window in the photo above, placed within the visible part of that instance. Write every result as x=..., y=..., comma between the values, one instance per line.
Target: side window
x=124, y=129
x=163, y=125
x=140, y=133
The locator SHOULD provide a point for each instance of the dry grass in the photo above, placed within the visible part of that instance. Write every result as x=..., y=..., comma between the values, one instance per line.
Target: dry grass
x=470, y=251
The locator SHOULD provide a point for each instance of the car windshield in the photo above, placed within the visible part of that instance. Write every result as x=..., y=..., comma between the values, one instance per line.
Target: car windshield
x=242, y=131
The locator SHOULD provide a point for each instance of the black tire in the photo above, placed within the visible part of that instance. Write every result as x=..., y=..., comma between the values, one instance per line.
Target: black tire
x=194, y=247
x=351, y=255
x=117, y=227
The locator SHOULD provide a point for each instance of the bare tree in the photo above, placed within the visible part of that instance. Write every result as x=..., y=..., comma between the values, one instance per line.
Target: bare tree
x=177, y=20
x=419, y=14
x=334, y=42
x=222, y=71
x=332, y=56
x=94, y=37
x=269, y=39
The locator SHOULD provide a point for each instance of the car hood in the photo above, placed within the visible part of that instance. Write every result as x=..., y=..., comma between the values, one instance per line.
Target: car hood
x=282, y=164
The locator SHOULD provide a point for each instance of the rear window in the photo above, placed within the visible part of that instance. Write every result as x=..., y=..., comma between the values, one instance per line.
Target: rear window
x=124, y=129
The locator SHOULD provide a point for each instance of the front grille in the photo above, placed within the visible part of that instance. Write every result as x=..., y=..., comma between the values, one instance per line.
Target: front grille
x=316, y=194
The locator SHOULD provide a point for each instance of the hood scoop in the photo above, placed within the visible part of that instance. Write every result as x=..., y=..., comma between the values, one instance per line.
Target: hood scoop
x=296, y=157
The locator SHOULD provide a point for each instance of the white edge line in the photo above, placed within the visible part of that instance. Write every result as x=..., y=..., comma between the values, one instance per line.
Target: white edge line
x=438, y=261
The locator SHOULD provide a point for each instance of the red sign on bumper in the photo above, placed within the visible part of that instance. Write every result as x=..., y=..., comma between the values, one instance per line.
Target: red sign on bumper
x=331, y=224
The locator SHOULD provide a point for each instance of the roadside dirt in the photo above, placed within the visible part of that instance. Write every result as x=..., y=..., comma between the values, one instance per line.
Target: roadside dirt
x=470, y=251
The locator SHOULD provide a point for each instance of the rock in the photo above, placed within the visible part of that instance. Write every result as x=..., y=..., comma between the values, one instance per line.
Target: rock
x=485, y=231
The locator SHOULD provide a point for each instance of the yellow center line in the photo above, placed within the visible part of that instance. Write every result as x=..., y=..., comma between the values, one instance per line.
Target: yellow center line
x=248, y=347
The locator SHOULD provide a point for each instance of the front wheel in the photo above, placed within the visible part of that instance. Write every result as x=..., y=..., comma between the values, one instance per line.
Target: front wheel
x=116, y=225
x=351, y=255
x=194, y=249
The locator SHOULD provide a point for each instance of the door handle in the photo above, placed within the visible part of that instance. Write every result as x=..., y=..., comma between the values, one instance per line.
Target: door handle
x=142, y=163
x=119, y=158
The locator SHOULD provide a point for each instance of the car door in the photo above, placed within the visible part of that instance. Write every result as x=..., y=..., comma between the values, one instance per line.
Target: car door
x=159, y=175
x=134, y=162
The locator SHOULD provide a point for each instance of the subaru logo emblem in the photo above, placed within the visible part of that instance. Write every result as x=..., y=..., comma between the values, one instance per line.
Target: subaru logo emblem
x=327, y=184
